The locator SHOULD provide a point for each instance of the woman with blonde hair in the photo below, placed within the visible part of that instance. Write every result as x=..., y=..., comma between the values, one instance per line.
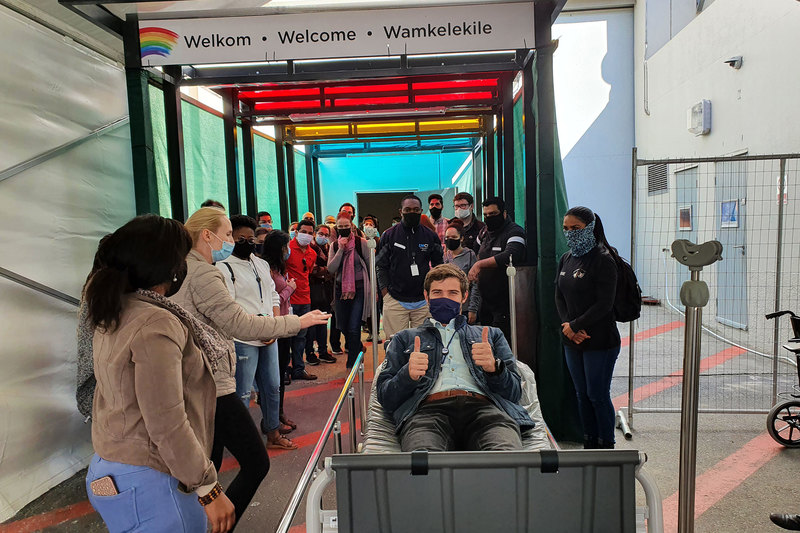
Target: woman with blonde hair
x=205, y=294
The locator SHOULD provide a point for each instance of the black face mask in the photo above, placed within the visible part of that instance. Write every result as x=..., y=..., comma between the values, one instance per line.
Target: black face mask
x=436, y=212
x=411, y=220
x=452, y=244
x=177, y=280
x=259, y=249
x=344, y=232
x=494, y=222
x=242, y=250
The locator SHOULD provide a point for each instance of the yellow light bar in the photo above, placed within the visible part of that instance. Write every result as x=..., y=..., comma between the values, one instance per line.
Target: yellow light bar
x=450, y=125
x=382, y=128
x=321, y=131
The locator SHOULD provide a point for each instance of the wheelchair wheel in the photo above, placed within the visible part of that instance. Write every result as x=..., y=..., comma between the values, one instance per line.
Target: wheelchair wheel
x=783, y=423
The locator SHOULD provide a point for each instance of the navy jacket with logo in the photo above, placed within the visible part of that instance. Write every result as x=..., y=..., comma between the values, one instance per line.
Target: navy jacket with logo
x=399, y=248
x=508, y=241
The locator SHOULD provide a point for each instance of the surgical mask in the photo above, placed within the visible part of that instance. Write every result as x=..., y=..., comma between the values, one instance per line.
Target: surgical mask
x=287, y=254
x=266, y=225
x=436, y=212
x=304, y=239
x=322, y=241
x=177, y=280
x=223, y=253
x=581, y=241
x=411, y=220
x=292, y=233
x=344, y=232
x=452, y=244
x=443, y=310
x=463, y=213
x=493, y=222
x=244, y=249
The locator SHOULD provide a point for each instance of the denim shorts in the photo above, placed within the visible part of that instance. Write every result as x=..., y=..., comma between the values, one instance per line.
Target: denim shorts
x=148, y=500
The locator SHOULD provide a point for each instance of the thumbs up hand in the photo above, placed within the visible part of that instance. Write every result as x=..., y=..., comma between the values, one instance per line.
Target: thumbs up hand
x=482, y=352
x=417, y=362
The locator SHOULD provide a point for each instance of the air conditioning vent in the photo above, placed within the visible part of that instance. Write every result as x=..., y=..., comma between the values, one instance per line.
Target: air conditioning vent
x=657, y=181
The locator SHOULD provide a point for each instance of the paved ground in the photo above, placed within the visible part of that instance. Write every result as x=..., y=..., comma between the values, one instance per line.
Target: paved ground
x=742, y=473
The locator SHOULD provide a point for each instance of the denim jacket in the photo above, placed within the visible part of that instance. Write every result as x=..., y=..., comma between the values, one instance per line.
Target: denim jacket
x=400, y=395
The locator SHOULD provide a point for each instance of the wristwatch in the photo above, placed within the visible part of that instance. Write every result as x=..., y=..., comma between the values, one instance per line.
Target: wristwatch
x=498, y=365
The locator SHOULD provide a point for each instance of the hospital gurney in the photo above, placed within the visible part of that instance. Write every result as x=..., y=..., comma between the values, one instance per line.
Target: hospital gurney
x=540, y=489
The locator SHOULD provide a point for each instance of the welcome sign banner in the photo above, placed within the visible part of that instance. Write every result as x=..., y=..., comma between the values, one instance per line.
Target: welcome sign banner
x=336, y=34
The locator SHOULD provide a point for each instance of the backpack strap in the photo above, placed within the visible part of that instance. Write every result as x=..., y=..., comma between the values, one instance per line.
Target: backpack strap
x=233, y=276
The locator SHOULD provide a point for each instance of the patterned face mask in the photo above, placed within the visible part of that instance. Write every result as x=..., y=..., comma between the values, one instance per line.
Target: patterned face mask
x=581, y=241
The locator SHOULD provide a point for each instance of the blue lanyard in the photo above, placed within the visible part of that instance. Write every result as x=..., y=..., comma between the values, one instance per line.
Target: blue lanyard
x=446, y=349
x=258, y=280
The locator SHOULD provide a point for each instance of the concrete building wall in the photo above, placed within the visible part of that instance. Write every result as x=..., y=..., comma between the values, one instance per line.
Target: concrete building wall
x=593, y=77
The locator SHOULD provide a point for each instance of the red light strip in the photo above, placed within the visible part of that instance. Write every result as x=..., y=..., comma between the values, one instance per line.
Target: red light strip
x=354, y=89
x=268, y=106
x=453, y=85
x=346, y=102
x=453, y=97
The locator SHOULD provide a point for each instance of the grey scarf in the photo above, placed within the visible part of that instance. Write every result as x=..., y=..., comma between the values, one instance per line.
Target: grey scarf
x=213, y=345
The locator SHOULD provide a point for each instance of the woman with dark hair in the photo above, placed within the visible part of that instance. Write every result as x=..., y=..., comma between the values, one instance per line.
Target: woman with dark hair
x=154, y=401
x=352, y=293
x=463, y=258
x=585, y=289
x=205, y=295
x=276, y=252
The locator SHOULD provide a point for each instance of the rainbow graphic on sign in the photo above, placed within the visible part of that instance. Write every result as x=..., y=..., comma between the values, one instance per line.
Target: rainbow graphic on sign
x=157, y=41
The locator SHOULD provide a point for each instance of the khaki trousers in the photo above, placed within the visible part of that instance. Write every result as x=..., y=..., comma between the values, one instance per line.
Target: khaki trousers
x=397, y=318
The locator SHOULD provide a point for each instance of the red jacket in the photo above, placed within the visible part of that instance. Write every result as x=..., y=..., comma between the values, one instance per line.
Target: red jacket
x=295, y=269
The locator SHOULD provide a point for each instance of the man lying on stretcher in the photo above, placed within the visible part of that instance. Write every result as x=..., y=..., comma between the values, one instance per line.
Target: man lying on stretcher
x=448, y=385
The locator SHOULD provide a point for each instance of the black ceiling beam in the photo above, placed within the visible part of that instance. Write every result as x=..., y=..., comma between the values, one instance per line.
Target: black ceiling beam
x=242, y=77
x=97, y=15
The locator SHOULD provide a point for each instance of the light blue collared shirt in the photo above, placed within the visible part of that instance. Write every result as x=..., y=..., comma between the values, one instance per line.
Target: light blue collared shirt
x=455, y=372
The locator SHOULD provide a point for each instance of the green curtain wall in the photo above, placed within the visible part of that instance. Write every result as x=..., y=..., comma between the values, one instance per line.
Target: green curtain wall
x=301, y=183
x=267, y=177
x=160, y=150
x=204, y=156
x=519, y=163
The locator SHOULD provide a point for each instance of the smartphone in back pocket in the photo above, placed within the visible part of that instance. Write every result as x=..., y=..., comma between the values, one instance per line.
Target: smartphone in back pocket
x=104, y=486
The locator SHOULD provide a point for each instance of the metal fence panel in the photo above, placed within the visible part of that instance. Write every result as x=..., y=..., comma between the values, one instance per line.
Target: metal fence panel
x=734, y=200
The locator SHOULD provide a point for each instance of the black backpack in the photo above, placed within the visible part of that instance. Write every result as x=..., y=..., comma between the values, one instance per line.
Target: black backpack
x=628, y=300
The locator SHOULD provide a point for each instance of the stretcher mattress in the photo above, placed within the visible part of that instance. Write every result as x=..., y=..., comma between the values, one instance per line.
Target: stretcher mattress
x=380, y=436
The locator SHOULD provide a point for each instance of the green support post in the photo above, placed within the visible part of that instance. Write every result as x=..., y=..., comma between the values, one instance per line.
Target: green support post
x=145, y=184
x=556, y=392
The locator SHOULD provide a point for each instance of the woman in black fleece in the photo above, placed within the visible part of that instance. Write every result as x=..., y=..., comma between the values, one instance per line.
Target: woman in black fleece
x=585, y=288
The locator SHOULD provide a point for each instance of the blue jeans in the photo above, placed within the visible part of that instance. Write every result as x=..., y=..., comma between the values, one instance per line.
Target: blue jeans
x=148, y=500
x=591, y=373
x=348, y=319
x=260, y=363
x=299, y=341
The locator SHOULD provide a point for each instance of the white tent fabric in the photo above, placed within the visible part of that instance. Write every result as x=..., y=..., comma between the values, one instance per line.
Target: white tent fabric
x=53, y=92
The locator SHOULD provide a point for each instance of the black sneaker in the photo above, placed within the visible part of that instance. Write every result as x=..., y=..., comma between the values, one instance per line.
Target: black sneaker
x=327, y=358
x=337, y=352
x=312, y=360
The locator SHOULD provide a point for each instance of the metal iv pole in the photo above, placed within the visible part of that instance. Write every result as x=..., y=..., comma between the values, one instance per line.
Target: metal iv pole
x=694, y=295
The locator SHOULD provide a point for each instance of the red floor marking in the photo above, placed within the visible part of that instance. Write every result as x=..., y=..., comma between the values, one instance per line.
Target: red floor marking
x=652, y=332
x=651, y=389
x=301, y=528
x=717, y=482
x=302, y=441
x=53, y=518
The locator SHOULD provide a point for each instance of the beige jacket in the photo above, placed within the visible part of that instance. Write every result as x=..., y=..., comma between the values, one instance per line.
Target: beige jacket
x=155, y=397
x=205, y=295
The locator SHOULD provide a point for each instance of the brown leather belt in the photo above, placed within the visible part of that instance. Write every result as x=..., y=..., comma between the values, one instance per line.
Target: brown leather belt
x=453, y=393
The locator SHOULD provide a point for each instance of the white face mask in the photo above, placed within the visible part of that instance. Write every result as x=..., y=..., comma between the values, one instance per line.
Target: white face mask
x=304, y=239
x=463, y=213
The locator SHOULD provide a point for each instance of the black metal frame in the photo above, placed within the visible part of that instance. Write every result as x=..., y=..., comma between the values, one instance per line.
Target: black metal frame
x=539, y=127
